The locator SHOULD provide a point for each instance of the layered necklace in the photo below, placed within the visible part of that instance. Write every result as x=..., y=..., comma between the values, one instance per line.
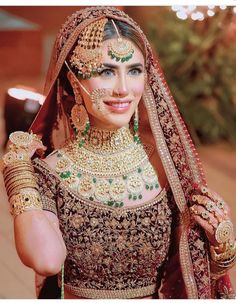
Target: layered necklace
x=110, y=167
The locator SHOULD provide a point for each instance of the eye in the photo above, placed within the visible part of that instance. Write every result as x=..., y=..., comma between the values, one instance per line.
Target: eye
x=135, y=71
x=107, y=72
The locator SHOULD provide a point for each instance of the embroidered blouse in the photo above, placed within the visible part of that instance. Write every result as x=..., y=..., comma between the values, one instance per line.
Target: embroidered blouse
x=112, y=253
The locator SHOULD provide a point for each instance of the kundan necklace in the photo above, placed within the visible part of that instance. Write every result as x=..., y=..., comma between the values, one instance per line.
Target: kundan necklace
x=108, y=168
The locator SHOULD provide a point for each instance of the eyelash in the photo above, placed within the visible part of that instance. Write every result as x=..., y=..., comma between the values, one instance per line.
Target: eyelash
x=106, y=70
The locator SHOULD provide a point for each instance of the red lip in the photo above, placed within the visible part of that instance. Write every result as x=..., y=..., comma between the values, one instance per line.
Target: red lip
x=118, y=109
x=117, y=101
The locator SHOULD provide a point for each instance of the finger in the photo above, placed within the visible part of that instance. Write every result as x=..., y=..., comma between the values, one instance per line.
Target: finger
x=205, y=215
x=214, y=197
x=211, y=206
x=204, y=224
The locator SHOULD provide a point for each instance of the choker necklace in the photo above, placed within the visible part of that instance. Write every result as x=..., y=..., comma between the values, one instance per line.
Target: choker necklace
x=110, y=167
x=108, y=141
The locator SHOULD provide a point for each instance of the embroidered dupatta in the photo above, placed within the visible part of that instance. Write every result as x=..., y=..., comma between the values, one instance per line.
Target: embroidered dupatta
x=187, y=272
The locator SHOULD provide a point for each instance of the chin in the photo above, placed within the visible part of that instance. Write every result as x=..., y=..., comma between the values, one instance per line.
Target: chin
x=118, y=121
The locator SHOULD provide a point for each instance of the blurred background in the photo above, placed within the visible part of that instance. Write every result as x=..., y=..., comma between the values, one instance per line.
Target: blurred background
x=197, y=51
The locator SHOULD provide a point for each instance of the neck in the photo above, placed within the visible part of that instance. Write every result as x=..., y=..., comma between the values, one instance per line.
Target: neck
x=108, y=140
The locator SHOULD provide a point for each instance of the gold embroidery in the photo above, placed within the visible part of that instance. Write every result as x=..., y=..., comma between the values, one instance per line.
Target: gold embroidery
x=112, y=253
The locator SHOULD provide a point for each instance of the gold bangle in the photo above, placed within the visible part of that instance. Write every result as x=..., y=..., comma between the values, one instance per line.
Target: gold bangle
x=18, y=177
x=18, y=170
x=19, y=190
x=15, y=169
x=22, y=178
x=10, y=172
x=228, y=253
x=17, y=164
x=27, y=199
x=12, y=157
x=18, y=183
x=10, y=186
x=19, y=187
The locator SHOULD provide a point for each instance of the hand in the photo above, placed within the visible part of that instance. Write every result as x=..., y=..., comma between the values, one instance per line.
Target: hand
x=212, y=213
x=36, y=147
x=22, y=146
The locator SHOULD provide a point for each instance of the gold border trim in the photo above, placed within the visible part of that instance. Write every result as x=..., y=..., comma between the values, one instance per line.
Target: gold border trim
x=111, y=294
x=185, y=258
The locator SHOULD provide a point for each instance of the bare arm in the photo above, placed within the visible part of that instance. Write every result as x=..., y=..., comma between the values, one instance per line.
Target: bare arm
x=39, y=241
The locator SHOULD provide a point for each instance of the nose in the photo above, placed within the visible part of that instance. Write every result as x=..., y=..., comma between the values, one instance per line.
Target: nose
x=121, y=86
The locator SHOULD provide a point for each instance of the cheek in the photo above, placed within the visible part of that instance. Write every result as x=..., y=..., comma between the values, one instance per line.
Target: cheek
x=138, y=88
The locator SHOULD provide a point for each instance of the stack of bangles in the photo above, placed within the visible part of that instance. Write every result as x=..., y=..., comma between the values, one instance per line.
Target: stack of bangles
x=223, y=256
x=18, y=174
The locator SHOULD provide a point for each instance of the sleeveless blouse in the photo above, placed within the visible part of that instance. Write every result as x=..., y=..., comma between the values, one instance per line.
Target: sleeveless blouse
x=111, y=253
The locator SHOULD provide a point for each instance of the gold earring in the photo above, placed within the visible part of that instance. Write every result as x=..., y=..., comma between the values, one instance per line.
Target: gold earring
x=79, y=117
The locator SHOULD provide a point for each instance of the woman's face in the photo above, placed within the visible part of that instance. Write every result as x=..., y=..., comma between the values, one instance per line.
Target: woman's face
x=124, y=85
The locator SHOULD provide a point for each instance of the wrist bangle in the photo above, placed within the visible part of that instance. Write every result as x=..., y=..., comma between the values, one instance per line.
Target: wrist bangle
x=26, y=199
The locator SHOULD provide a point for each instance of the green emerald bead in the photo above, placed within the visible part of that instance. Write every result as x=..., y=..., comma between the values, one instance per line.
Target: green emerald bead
x=110, y=181
x=130, y=196
x=65, y=175
x=121, y=204
x=110, y=203
x=124, y=177
x=139, y=170
x=94, y=180
x=80, y=144
x=147, y=186
x=79, y=175
x=157, y=185
x=91, y=198
x=117, y=204
x=151, y=187
x=135, y=198
x=140, y=197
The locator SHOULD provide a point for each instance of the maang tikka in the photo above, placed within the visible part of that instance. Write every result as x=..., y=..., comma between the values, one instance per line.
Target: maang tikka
x=120, y=49
x=87, y=55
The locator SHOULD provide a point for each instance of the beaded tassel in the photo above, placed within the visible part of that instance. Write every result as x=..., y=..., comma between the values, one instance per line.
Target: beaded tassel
x=62, y=282
x=84, y=134
x=136, y=136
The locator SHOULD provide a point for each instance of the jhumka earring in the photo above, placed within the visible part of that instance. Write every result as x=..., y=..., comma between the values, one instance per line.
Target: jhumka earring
x=136, y=136
x=87, y=55
x=79, y=117
x=120, y=49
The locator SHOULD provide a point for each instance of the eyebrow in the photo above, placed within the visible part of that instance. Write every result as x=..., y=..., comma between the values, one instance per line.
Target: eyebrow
x=129, y=66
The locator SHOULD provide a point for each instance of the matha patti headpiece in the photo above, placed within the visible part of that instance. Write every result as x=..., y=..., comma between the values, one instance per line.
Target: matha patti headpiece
x=120, y=49
x=87, y=55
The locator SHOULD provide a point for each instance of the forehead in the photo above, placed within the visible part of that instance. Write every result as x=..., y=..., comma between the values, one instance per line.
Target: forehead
x=136, y=58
